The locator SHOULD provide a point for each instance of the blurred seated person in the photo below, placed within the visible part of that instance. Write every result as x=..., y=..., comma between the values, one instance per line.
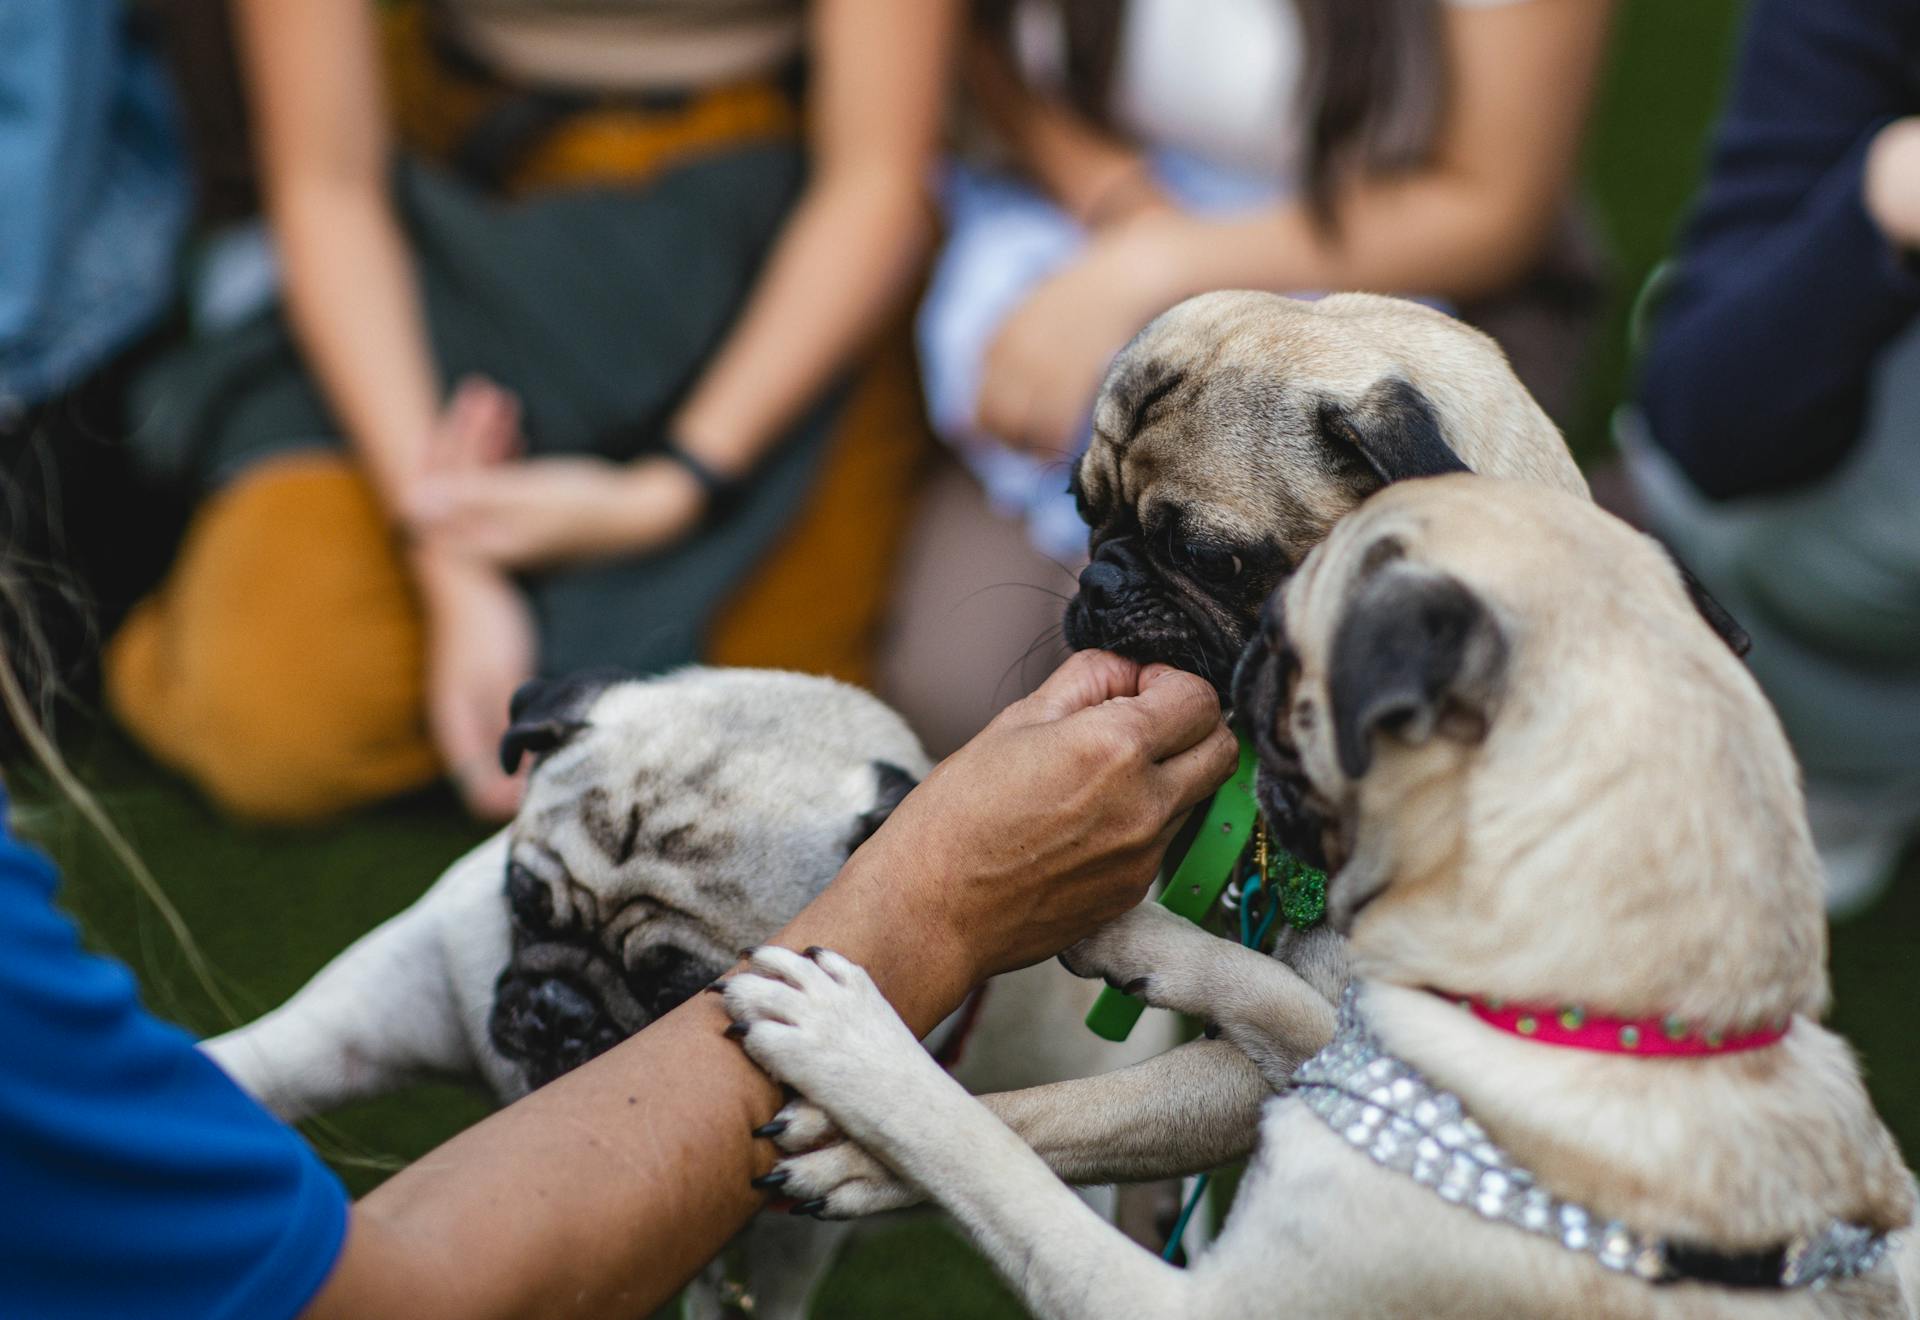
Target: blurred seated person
x=1142, y=152
x=94, y=203
x=577, y=366
x=1778, y=439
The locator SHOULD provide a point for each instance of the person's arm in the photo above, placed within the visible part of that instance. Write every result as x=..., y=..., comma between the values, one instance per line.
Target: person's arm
x=1096, y=177
x=320, y=118
x=1520, y=79
x=320, y=123
x=1788, y=284
x=603, y=1192
x=848, y=254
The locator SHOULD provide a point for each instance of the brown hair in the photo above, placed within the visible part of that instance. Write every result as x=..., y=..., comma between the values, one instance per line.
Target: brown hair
x=1371, y=97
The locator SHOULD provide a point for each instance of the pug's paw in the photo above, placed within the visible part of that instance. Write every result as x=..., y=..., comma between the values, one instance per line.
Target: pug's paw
x=842, y=1181
x=1130, y=950
x=818, y=1023
x=800, y=1126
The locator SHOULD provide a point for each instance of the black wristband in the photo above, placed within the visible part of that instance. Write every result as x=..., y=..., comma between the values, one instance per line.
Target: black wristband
x=723, y=493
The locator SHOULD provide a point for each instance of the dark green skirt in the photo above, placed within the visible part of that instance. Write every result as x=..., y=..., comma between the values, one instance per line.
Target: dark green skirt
x=599, y=307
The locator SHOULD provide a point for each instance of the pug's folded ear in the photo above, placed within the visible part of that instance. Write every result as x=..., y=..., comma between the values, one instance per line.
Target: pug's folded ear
x=546, y=712
x=891, y=788
x=1395, y=431
x=1416, y=655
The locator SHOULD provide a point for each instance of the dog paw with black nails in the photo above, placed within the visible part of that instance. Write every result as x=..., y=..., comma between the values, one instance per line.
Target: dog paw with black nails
x=819, y=1164
x=817, y=1022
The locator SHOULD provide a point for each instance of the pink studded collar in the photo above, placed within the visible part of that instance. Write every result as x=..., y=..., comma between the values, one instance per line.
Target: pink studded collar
x=1572, y=1025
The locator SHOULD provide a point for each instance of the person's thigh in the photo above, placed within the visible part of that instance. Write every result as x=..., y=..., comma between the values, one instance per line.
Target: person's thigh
x=977, y=614
x=279, y=666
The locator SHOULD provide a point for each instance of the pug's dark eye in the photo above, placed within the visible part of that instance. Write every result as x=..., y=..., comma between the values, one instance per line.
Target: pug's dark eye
x=1211, y=562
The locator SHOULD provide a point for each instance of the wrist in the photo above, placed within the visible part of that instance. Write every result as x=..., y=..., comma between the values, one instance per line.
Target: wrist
x=714, y=443
x=1125, y=192
x=915, y=950
x=699, y=493
x=440, y=574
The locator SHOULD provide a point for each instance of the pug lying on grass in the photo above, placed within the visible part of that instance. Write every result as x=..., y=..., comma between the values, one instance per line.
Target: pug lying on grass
x=667, y=824
x=1580, y=1069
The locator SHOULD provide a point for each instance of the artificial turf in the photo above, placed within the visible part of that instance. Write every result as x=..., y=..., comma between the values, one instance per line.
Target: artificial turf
x=270, y=906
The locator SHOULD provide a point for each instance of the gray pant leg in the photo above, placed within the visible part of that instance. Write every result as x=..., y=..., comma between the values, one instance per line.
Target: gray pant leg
x=1828, y=581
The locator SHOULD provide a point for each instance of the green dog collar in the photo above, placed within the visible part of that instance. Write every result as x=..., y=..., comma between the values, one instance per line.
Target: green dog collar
x=1195, y=887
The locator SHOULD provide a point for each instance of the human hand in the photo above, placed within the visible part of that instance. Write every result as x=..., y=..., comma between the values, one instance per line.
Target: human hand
x=1053, y=820
x=1045, y=365
x=481, y=646
x=1892, y=185
x=544, y=511
x=478, y=428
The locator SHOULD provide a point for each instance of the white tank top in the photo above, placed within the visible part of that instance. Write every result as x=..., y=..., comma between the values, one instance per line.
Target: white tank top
x=1217, y=78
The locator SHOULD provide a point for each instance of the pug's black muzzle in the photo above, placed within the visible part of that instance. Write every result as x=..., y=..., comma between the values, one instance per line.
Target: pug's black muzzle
x=1124, y=605
x=560, y=1003
x=1281, y=787
x=549, y=1025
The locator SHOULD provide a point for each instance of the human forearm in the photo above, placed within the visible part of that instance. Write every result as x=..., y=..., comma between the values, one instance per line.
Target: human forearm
x=598, y=1195
x=319, y=120
x=841, y=267
x=848, y=253
x=602, y=1193
x=354, y=306
x=1093, y=175
x=1473, y=215
x=1733, y=385
x=1438, y=234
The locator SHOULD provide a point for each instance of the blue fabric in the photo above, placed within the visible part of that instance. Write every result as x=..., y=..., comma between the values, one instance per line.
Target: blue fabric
x=135, y=1178
x=94, y=196
x=1786, y=293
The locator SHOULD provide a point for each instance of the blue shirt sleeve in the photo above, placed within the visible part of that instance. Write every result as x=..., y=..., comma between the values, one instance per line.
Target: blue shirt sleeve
x=95, y=194
x=136, y=1179
x=1785, y=290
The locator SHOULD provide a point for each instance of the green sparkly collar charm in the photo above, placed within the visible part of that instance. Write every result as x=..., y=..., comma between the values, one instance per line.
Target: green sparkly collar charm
x=1301, y=890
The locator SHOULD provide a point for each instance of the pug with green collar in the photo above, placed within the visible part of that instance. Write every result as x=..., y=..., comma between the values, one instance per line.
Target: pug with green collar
x=1229, y=438
x=1580, y=1069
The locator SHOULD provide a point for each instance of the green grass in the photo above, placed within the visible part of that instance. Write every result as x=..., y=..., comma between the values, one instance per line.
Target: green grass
x=270, y=907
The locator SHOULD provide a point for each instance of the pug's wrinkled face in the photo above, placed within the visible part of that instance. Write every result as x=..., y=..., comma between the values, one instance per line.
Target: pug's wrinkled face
x=1374, y=643
x=1493, y=714
x=1238, y=428
x=668, y=824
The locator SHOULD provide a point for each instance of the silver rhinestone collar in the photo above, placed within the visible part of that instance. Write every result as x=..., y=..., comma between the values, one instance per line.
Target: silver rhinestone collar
x=1381, y=1105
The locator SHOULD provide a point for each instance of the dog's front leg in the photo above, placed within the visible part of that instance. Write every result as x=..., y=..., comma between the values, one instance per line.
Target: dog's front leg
x=382, y=1014
x=1260, y=1005
x=819, y=1024
x=1191, y=1109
